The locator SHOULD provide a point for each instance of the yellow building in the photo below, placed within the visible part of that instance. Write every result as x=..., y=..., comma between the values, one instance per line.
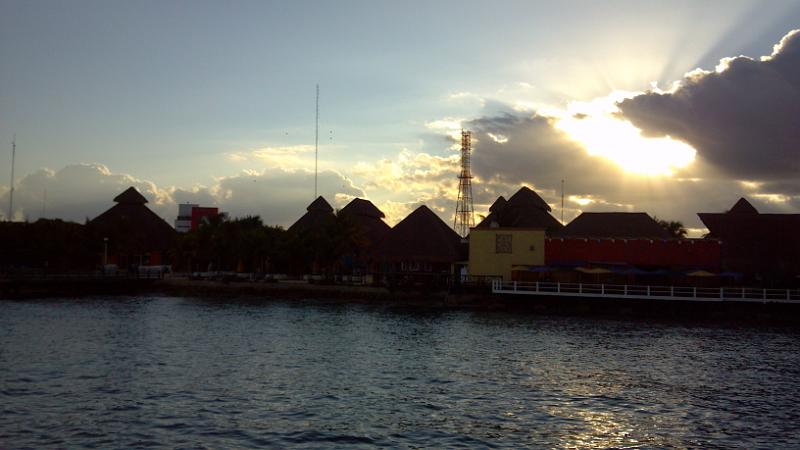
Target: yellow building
x=495, y=252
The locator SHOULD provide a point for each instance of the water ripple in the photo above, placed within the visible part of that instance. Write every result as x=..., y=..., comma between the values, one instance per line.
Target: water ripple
x=195, y=373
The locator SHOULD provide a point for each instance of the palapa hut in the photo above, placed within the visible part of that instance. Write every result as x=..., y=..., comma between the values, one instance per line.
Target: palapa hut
x=136, y=235
x=367, y=226
x=761, y=247
x=319, y=214
x=311, y=240
x=420, y=248
x=511, y=237
x=626, y=248
x=618, y=225
x=525, y=209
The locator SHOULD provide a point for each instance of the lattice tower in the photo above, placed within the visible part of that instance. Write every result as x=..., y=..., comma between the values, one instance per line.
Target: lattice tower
x=464, y=219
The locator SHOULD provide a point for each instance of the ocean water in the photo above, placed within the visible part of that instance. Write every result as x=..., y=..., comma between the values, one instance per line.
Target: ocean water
x=198, y=373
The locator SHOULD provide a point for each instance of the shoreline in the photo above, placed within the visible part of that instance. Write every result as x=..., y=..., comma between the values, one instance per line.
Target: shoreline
x=476, y=300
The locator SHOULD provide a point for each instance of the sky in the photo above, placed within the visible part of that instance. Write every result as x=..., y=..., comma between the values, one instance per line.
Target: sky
x=670, y=108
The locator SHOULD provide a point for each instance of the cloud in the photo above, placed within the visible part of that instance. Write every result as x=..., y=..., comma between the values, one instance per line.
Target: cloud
x=538, y=154
x=281, y=196
x=75, y=192
x=742, y=117
x=81, y=191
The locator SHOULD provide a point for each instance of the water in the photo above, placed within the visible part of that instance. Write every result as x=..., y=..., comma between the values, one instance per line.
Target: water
x=191, y=373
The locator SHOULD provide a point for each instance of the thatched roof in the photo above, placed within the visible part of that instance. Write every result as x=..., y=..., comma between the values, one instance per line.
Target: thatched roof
x=498, y=204
x=743, y=207
x=361, y=207
x=421, y=236
x=368, y=218
x=319, y=214
x=525, y=209
x=131, y=196
x=754, y=242
x=132, y=222
x=621, y=225
x=525, y=198
x=320, y=204
x=744, y=220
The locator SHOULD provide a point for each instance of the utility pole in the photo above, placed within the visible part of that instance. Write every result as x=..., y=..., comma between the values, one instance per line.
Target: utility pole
x=11, y=194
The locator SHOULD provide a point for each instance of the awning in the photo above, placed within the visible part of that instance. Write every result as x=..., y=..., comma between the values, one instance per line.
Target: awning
x=700, y=273
x=593, y=270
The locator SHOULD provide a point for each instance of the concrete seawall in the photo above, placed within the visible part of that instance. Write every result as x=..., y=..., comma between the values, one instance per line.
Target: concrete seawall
x=476, y=300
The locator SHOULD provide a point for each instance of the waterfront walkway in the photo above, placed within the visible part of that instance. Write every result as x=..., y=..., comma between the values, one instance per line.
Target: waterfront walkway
x=640, y=292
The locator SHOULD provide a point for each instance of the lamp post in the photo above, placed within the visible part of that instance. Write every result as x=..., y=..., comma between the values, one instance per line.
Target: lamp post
x=105, y=253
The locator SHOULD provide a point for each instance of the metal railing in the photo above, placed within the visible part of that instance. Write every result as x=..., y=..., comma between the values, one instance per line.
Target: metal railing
x=646, y=292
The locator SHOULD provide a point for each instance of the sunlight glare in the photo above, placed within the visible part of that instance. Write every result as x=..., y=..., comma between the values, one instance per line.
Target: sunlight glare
x=622, y=143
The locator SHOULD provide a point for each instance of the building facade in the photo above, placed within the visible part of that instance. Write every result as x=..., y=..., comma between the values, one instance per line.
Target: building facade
x=496, y=252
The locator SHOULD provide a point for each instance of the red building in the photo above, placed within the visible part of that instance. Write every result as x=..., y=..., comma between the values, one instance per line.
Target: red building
x=675, y=254
x=202, y=214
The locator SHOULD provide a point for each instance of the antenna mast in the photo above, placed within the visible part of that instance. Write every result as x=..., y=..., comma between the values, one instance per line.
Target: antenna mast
x=11, y=194
x=316, y=145
x=562, y=201
x=464, y=219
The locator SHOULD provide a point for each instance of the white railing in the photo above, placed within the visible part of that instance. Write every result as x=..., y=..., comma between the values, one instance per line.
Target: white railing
x=632, y=291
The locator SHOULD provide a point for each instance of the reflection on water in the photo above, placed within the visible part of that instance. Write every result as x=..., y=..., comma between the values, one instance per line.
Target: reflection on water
x=181, y=372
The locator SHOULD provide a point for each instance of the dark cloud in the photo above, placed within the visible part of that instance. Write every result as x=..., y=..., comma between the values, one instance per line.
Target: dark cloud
x=534, y=151
x=744, y=119
x=539, y=155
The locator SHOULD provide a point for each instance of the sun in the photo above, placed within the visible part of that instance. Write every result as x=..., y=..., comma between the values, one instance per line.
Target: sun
x=622, y=143
x=595, y=125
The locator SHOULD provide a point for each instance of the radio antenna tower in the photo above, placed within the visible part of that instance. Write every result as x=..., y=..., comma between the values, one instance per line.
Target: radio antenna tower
x=11, y=193
x=464, y=219
x=316, y=145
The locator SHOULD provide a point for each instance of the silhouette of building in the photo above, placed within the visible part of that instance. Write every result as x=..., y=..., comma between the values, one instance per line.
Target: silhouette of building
x=762, y=247
x=135, y=234
x=369, y=229
x=420, y=248
x=319, y=214
x=525, y=209
x=625, y=247
x=511, y=237
x=368, y=218
x=614, y=225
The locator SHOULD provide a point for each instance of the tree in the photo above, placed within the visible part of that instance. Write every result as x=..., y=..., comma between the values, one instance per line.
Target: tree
x=673, y=227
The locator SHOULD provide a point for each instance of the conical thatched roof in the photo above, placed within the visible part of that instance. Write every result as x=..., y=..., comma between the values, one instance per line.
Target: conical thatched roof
x=498, y=204
x=132, y=222
x=361, y=207
x=421, y=236
x=320, y=204
x=131, y=196
x=622, y=225
x=526, y=198
x=319, y=214
x=368, y=218
x=525, y=209
x=743, y=207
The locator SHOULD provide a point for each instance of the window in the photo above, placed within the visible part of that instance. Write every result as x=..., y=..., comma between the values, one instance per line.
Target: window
x=502, y=243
